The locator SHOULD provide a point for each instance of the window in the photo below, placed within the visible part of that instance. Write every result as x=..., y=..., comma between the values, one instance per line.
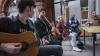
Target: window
x=13, y=11
x=59, y=7
x=57, y=10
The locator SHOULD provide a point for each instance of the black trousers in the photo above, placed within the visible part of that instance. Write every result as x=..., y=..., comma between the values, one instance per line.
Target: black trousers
x=48, y=50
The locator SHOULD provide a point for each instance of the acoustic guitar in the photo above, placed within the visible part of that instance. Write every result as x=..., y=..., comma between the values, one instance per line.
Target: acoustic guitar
x=19, y=38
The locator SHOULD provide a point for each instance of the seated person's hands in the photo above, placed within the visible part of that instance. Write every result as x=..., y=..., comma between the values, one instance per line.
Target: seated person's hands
x=73, y=25
x=12, y=48
x=43, y=41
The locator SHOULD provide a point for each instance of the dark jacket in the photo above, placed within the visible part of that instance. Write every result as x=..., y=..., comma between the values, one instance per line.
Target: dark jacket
x=14, y=25
x=6, y=25
x=72, y=21
x=42, y=28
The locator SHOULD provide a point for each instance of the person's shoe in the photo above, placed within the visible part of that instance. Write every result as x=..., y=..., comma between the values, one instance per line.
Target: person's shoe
x=76, y=49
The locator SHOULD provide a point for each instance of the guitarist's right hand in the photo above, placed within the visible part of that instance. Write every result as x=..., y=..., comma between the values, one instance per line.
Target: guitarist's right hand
x=43, y=41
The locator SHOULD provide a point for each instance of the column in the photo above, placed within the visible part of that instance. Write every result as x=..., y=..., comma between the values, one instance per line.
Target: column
x=98, y=7
x=78, y=13
x=90, y=8
x=74, y=8
x=98, y=13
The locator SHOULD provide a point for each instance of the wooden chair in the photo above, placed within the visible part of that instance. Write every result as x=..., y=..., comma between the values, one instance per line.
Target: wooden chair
x=18, y=38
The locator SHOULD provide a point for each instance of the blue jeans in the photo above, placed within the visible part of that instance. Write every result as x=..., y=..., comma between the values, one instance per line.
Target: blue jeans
x=55, y=42
x=73, y=41
x=78, y=31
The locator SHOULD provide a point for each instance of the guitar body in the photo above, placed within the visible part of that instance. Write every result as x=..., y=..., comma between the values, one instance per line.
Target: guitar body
x=18, y=38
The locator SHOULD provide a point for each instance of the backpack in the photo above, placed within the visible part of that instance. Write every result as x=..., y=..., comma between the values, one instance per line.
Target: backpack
x=80, y=45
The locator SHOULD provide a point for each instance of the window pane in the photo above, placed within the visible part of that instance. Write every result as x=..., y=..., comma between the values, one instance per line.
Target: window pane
x=56, y=0
x=57, y=10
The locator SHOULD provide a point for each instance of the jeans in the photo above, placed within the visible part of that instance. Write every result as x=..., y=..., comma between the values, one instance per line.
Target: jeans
x=73, y=41
x=55, y=42
x=48, y=50
x=78, y=31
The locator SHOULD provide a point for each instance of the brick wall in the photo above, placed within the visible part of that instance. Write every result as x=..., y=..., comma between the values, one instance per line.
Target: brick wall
x=2, y=7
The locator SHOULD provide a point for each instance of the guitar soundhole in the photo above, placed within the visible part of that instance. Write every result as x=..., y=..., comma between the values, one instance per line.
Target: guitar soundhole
x=16, y=45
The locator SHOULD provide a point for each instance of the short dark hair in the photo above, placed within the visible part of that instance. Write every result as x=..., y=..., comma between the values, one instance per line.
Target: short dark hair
x=24, y=3
x=42, y=9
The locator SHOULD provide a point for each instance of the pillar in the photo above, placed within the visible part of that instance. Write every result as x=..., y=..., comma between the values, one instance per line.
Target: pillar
x=74, y=8
x=98, y=13
x=98, y=7
x=90, y=8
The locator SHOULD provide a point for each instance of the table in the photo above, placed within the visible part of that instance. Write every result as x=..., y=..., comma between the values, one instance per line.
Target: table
x=94, y=30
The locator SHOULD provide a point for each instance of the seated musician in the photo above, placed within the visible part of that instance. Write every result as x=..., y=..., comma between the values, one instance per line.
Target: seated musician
x=96, y=19
x=23, y=24
x=74, y=32
x=96, y=22
x=43, y=28
x=63, y=29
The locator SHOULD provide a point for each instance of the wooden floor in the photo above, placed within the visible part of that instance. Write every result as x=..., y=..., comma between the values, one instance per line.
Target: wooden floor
x=86, y=52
